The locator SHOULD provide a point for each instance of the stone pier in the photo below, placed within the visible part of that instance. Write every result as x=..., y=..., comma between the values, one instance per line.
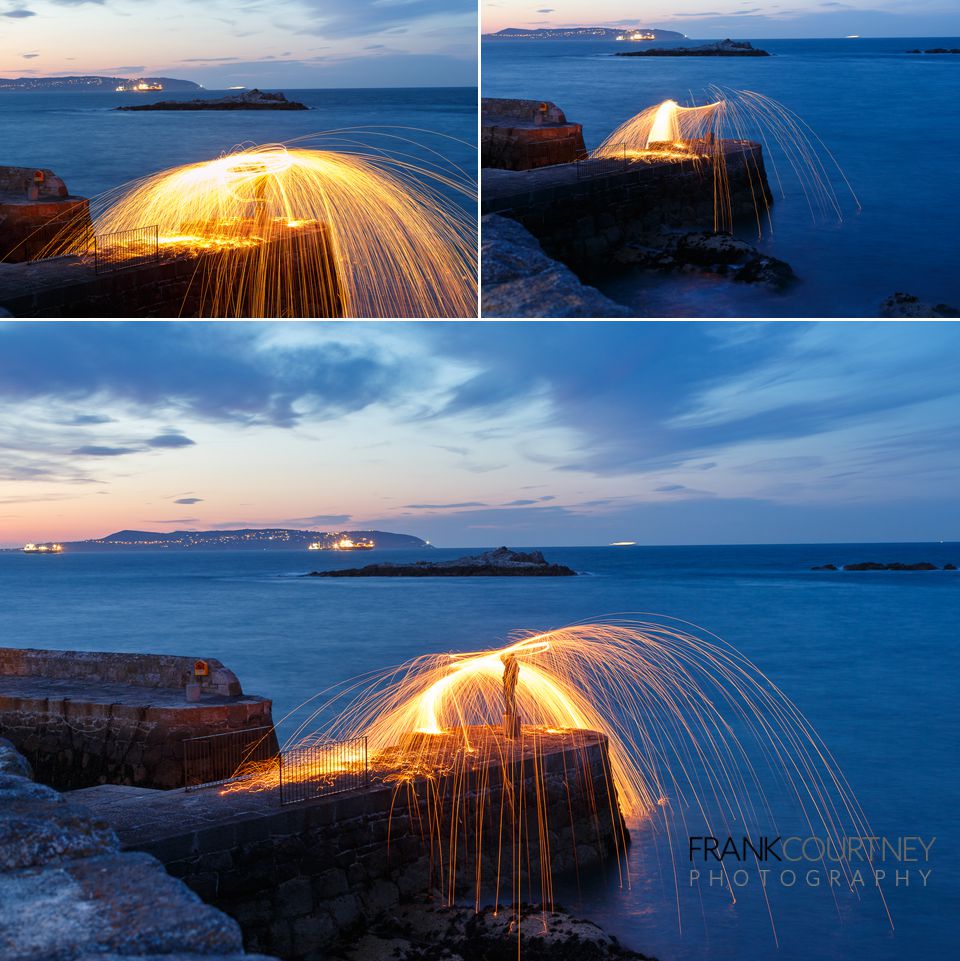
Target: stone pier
x=581, y=213
x=35, y=206
x=526, y=134
x=299, y=877
x=83, y=718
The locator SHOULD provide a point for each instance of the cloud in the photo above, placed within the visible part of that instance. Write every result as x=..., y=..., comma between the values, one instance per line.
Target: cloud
x=87, y=420
x=29, y=56
x=189, y=500
x=669, y=488
x=357, y=18
x=518, y=503
x=242, y=374
x=18, y=14
x=318, y=519
x=658, y=395
x=440, y=507
x=173, y=520
x=93, y=450
x=170, y=441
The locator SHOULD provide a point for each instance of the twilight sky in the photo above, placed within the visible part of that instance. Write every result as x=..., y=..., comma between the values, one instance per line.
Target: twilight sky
x=473, y=433
x=222, y=43
x=709, y=19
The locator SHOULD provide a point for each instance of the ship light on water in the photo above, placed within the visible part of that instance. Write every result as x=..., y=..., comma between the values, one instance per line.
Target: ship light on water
x=343, y=544
x=32, y=548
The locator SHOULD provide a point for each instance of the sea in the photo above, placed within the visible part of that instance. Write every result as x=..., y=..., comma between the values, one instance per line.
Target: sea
x=869, y=658
x=890, y=118
x=95, y=148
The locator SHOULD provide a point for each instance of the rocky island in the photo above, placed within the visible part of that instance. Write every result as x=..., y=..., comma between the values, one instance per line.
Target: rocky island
x=722, y=48
x=502, y=562
x=250, y=100
x=895, y=566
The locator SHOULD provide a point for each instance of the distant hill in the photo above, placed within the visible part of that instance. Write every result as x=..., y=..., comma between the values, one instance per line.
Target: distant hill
x=94, y=83
x=584, y=33
x=279, y=538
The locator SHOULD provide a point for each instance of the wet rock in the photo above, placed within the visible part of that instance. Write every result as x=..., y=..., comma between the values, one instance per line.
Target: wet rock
x=37, y=826
x=520, y=280
x=123, y=904
x=825, y=567
x=424, y=933
x=896, y=566
x=11, y=760
x=906, y=305
x=708, y=252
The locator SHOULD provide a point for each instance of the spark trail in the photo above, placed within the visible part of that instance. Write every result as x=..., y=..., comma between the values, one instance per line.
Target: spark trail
x=695, y=732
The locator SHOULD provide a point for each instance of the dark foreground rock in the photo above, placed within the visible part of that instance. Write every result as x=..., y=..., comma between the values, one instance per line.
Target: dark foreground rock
x=722, y=48
x=499, y=563
x=708, y=252
x=250, y=100
x=520, y=280
x=906, y=305
x=937, y=50
x=422, y=933
x=895, y=566
x=68, y=893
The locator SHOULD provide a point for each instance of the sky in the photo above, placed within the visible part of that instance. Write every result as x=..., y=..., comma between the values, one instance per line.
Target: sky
x=482, y=433
x=755, y=19
x=224, y=43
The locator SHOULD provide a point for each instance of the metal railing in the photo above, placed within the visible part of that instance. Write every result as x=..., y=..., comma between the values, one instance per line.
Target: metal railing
x=126, y=248
x=232, y=756
x=320, y=769
x=614, y=161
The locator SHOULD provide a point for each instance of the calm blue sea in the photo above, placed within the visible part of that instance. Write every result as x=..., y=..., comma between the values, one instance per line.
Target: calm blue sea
x=871, y=659
x=95, y=148
x=891, y=119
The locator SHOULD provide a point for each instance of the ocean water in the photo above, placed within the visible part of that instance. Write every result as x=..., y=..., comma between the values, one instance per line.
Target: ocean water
x=869, y=658
x=96, y=148
x=891, y=119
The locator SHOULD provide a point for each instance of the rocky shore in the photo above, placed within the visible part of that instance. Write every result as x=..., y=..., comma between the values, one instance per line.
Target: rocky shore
x=907, y=305
x=895, y=566
x=424, y=933
x=707, y=252
x=502, y=562
x=250, y=100
x=67, y=892
x=520, y=280
x=722, y=48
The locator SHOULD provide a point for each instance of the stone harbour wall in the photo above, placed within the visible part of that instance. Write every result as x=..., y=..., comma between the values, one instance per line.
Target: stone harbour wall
x=527, y=134
x=84, y=718
x=67, y=892
x=582, y=219
x=300, y=877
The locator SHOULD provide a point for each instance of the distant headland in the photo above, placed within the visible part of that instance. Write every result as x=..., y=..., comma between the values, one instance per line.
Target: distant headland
x=585, y=33
x=93, y=83
x=248, y=538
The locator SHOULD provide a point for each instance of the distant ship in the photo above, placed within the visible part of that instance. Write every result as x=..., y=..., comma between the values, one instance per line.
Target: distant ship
x=637, y=35
x=623, y=543
x=344, y=544
x=852, y=36
x=140, y=87
x=42, y=548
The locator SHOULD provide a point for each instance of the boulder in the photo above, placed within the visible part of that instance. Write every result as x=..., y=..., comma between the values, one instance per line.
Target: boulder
x=519, y=280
